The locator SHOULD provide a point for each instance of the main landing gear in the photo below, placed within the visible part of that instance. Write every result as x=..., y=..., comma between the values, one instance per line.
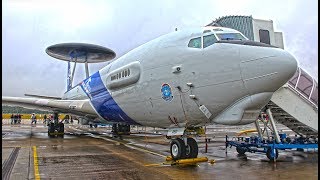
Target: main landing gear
x=120, y=129
x=55, y=128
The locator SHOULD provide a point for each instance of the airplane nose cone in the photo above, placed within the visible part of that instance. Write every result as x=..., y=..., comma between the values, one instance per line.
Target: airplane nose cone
x=286, y=66
x=268, y=70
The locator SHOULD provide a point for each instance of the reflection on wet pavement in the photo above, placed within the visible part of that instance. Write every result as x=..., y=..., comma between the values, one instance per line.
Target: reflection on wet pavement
x=85, y=153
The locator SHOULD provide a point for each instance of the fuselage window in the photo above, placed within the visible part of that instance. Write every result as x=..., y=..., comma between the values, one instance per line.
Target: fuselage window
x=209, y=40
x=195, y=43
x=230, y=36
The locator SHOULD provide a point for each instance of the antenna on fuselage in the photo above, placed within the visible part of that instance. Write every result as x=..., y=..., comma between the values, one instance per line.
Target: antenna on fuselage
x=79, y=53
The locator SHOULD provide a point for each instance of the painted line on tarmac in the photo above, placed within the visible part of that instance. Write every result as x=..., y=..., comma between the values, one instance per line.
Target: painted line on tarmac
x=126, y=144
x=15, y=146
x=144, y=150
x=4, y=134
x=129, y=145
x=9, y=163
x=35, y=163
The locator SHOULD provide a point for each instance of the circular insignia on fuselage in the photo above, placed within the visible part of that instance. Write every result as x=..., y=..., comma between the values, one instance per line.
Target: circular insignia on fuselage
x=166, y=92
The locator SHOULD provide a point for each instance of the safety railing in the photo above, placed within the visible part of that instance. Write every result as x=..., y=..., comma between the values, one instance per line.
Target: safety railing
x=305, y=86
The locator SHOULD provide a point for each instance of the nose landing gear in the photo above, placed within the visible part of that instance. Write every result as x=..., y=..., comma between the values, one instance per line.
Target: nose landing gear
x=191, y=148
x=180, y=150
x=177, y=149
x=181, y=146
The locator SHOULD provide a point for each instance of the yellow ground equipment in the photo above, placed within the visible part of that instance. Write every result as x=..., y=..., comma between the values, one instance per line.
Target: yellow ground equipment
x=191, y=161
x=246, y=132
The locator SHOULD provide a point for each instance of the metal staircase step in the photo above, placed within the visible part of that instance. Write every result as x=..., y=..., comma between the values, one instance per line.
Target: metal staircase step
x=289, y=121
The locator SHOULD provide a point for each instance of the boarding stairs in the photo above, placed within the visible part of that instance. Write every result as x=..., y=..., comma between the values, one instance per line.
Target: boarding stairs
x=295, y=105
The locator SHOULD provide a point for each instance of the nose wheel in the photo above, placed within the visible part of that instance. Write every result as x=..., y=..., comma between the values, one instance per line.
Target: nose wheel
x=191, y=148
x=177, y=149
x=180, y=150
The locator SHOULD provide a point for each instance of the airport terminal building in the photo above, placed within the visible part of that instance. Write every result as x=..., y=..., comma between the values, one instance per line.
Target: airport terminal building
x=254, y=29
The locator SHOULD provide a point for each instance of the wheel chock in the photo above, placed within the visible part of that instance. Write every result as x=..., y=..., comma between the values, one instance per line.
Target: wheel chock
x=192, y=160
x=187, y=161
x=168, y=158
x=212, y=161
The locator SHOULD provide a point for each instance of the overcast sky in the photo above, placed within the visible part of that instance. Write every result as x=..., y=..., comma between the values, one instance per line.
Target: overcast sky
x=30, y=26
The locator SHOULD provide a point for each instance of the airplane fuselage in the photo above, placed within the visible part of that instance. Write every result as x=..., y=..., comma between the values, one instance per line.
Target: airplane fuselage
x=165, y=81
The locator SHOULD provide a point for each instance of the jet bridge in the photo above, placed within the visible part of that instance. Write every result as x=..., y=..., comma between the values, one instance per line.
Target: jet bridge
x=295, y=105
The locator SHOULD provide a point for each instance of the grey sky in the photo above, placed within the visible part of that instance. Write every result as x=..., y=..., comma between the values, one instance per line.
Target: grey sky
x=29, y=26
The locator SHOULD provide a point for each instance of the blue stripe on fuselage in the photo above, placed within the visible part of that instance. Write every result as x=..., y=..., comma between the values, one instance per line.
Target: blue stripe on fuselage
x=103, y=102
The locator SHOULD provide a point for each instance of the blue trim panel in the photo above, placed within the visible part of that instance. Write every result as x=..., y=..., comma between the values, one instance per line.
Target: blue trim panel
x=103, y=102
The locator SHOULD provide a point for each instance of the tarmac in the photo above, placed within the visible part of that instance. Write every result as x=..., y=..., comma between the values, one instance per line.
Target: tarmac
x=91, y=153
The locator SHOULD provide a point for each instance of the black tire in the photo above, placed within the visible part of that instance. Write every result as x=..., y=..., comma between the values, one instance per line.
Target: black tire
x=268, y=153
x=191, y=148
x=114, y=129
x=61, y=128
x=50, y=128
x=177, y=149
x=60, y=135
x=52, y=136
x=288, y=140
x=241, y=150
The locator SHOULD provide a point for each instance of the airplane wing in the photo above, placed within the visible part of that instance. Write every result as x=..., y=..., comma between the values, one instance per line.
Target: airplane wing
x=41, y=96
x=76, y=107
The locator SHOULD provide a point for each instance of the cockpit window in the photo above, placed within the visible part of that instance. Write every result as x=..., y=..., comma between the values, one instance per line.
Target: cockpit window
x=230, y=36
x=209, y=40
x=195, y=43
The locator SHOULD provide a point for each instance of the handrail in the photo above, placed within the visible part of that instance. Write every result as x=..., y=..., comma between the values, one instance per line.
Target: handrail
x=302, y=95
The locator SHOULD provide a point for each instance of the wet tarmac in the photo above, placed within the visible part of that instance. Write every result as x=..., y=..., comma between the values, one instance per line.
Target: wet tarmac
x=91, y=153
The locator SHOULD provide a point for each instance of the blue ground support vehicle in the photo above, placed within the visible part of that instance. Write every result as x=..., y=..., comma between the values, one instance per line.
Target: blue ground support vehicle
x=256, y=144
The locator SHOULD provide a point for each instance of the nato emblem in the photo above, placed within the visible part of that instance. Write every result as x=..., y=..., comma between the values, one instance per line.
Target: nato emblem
x=166, y=92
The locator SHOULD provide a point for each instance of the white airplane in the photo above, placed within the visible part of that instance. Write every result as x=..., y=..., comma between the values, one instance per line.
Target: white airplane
x=179, y=81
